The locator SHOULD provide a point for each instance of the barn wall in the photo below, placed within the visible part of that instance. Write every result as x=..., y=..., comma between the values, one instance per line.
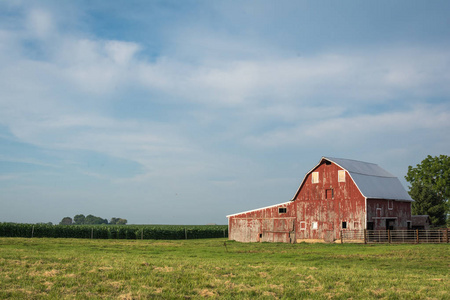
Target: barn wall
x=313, y=205
x=380, y=210
x=263, y=225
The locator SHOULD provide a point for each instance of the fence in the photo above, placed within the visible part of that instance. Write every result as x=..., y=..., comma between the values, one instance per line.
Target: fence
x=395, y=236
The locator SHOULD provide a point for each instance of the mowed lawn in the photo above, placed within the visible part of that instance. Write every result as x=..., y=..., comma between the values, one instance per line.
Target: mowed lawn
x=44, y=268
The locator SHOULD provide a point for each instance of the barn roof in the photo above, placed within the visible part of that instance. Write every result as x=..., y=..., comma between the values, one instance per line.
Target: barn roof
x=248, y=211
x=372, y=180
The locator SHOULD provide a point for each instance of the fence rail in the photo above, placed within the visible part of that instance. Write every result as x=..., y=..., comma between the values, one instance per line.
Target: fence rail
x=395, y=236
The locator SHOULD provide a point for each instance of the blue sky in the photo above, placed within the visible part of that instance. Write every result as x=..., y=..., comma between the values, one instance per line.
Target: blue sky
x=182, y=112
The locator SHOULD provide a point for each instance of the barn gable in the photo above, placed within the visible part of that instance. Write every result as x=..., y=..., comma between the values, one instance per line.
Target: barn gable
x=372, y=181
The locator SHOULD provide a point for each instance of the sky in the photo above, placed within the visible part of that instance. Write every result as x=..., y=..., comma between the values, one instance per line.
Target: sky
x=183, y=112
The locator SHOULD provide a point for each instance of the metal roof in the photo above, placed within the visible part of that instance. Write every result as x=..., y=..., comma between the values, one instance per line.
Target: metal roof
x=372, y=180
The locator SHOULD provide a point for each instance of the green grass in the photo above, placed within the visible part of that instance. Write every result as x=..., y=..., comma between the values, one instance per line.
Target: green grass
x=188, y=269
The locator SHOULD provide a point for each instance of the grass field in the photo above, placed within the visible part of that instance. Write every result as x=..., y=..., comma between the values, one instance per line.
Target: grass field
x=43, y=268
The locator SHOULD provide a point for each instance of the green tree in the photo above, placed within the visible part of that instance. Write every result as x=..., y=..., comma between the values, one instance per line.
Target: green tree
x=118, y=221
x=122, y=222
x=428, y=202
x=79, y=219
x=66, y=221
x=430, y=188
x=91, y=219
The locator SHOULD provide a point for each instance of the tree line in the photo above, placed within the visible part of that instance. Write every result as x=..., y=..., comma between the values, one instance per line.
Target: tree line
x=91, y=220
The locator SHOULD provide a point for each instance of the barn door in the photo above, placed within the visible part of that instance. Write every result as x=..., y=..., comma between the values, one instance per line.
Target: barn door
x=390, y=224
x=329, y=234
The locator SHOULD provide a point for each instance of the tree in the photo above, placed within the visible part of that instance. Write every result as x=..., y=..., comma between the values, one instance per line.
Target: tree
x=90, y=219
x=66, y=221
x=122, y=222
x=430, y=187
x=428, y=202
x=118, y=221
x=79, y=219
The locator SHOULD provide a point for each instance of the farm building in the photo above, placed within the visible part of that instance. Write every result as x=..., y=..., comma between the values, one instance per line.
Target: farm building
x=337, y=194
x=421, y=222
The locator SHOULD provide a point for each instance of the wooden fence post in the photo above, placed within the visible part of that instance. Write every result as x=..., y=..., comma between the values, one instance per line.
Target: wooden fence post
x=389, y=236
x=417, y=236
x=342, y=239
x=32, y=231
x=185, y=233
x=365, y=236
x=92, y=233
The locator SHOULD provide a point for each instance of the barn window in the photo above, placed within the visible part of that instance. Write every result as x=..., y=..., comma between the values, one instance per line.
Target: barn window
x=282, y=210
x=315, y=177
x=302, y=225
x=314, y=225
x=344, y=225
x=329, y=194
x=390, y=204
x=341, y=175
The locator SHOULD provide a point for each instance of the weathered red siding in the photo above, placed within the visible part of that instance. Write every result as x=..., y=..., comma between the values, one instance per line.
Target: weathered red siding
x=263, y=225
x=379, y=210
x=346, y=205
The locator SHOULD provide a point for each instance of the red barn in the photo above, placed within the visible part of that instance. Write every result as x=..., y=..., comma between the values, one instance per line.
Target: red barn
x=337, y=194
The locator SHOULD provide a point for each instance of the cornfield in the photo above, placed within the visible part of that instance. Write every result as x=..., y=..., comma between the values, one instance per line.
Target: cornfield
x=156, y=232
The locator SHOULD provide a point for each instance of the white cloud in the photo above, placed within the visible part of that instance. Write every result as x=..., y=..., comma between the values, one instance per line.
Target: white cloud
x=121, y=52
x=364, y=76
x=343, y=132
x=40, y=23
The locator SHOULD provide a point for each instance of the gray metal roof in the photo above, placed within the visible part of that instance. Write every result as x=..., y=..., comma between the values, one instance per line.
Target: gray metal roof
x=371, y=180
